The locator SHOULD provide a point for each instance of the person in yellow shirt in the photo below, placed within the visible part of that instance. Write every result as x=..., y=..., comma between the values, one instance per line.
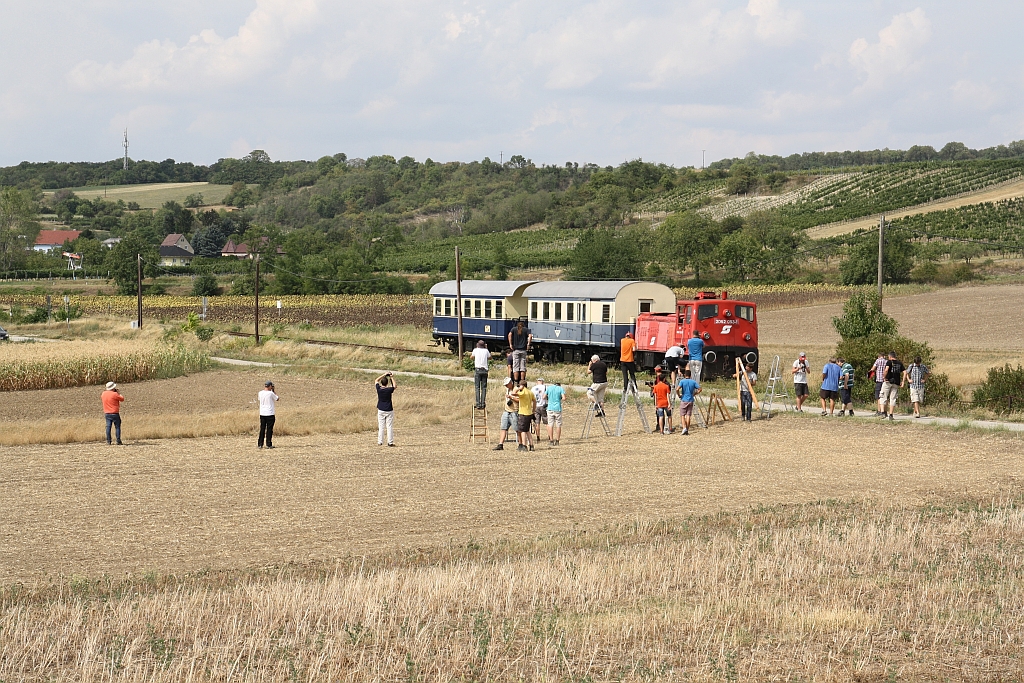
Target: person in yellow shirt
x=627, y=361
x=526, y=405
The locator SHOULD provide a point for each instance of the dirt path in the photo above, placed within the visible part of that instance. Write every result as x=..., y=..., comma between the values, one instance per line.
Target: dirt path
x=180, y=505
x=1009, y=190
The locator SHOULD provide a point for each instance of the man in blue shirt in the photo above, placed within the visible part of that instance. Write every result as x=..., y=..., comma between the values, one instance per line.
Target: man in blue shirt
x=829, y=386
x=555, y=396
x=695, y=347
x=688, y=390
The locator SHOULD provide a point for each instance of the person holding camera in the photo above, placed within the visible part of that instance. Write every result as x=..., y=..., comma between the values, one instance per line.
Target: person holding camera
x=268, y=414
x=660, y=392
x=510, y=416
x=800, y=371
x=385, y=385
x=112, y=399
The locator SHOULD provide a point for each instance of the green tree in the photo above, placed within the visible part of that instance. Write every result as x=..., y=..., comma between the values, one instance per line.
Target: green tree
x=122, y=262
x=688, y=240
x=742, y=179
x=205, y=284
x=18, y=226
x=500, y=258
x=604, y=255
x=773, y=245
x=863, y=317
x=861, y=266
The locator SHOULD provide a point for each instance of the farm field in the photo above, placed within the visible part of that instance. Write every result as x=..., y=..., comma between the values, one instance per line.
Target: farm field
x=153, y=195
x=1002, y=192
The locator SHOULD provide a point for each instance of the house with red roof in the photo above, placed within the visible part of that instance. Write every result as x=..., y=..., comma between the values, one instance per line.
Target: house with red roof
x=48, y=240
x=176, y=251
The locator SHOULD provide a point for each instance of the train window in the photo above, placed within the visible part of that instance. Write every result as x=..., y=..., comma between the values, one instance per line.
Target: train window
x=745, y=312
x=583, y=313
x=606, y=313
x=497, y=309
x=466, y=308
x=533, y=310
x=487, y=308
x=447, y=306
x=437, y=307
x=477, y=305
x=558, y=310
x=705, y=311
x=645, y=306
x=547, y=310
x=689, y=314
x=568, y=311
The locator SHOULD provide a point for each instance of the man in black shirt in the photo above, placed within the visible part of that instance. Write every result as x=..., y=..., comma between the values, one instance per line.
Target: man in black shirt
x=519, y=339
x=596, y=391
x=892, y=384
x=385, y=385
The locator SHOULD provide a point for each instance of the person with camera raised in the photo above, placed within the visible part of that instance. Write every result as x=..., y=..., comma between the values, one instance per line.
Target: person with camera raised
x=385, y=385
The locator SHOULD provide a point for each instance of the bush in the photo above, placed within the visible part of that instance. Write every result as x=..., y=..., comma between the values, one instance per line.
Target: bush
x=1003, y=390
x=204, y=333
x=205, y=284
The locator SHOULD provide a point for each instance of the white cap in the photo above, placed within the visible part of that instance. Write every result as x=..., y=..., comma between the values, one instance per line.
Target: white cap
x=111, y=386
x=540, y=379
x=508, y=380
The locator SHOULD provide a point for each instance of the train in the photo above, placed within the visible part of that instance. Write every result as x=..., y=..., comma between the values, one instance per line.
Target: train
x=571, y=321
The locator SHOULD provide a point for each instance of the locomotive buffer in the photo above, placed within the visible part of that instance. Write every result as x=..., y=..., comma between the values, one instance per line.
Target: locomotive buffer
x=631, y=390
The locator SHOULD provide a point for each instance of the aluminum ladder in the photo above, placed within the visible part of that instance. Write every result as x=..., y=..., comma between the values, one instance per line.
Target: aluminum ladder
x=603, y=416
x=478, y=427
x=776, y=390
x=631, y=391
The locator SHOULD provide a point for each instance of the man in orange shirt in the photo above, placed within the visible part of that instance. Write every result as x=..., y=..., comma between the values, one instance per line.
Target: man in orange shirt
x=627, y=352
x=660, y=392
x=111, y=399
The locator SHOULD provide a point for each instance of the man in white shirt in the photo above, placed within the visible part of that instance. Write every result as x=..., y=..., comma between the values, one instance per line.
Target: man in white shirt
x=267, y=400
x=800, y=381
x=481, y=359
x=674, y=362
x=540, y=405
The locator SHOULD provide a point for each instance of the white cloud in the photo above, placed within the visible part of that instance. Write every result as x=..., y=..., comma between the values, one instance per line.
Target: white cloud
x=897, y=50
x=975, y=95
x=206, y=59
x=774, y=24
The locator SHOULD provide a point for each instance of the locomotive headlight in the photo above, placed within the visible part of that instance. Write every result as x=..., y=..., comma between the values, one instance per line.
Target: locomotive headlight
x=707, y=336
x=747, y=336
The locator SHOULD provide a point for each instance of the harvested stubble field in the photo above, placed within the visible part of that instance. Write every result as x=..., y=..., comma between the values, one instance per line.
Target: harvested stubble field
x=387, y=581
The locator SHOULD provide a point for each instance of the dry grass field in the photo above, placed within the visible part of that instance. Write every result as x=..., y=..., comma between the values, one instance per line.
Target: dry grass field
x=970, y=328
x=153, y=195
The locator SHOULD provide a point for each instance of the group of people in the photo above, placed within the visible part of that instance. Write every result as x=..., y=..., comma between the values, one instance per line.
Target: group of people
x=528, y=409
x=837, y=380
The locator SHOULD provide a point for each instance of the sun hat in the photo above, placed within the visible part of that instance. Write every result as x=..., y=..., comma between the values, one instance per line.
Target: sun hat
x=540, y=379
x=509, y=380
x=111, y=386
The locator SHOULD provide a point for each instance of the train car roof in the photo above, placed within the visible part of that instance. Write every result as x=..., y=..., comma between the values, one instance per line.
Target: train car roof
x=492, y=288
x=581, y=289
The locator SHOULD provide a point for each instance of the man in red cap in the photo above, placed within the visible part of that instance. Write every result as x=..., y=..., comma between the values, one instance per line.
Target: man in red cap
x=627, y=354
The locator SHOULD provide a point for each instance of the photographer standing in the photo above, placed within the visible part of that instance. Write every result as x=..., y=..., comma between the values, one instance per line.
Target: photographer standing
x=267, y=398
x=111, y=399
x=519, y=338
x=800, y=370
x=385, y=385
x=595, y=393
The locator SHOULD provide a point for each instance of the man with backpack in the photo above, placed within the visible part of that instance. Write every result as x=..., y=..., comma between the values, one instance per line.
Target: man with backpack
x=916, y=375
x=845, y=387
x=893, y=382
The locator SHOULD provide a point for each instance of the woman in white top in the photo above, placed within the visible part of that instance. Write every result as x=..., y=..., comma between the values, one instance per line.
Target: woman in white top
x=267, y=398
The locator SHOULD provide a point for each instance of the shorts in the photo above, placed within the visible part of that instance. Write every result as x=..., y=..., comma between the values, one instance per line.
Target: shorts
x=540, y=415
x=889, y=394
x=524, y=423
x=916, y=394
x=685, y=408
x=673, y=363
x=519, y=360
x=508, y=420
x=800, y=389
x=846, y=395
x=554, y=418
x=663, y=412
x=826, y=394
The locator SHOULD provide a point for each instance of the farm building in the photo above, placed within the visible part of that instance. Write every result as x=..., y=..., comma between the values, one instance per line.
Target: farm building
x=176, y=251
x=48, y=240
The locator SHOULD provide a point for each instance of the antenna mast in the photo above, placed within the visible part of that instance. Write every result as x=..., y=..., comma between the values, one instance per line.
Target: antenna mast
x=126, y=149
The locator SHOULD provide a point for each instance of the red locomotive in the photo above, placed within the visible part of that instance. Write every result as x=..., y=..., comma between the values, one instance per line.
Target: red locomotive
x=728, y=328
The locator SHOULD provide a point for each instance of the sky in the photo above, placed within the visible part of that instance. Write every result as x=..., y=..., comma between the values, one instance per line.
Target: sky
x=574, y=80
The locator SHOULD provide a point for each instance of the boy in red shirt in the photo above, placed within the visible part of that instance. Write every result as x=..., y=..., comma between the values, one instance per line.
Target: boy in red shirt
x=660, y=392
x=111, y=399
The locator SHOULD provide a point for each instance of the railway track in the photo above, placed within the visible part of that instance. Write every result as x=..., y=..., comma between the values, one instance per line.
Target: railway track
x=324, y=342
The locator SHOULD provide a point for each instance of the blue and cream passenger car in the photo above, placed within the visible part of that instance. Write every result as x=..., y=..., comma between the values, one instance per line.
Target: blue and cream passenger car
x=570, y=321
x=490, y=309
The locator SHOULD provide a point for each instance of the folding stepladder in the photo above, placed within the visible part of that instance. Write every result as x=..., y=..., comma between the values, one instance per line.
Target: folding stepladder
x=776, y=390
x=631, y=390
x=478, y=428
x=603, y=416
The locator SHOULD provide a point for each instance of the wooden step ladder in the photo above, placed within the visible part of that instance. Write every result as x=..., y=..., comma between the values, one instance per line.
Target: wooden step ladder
x=478, y=428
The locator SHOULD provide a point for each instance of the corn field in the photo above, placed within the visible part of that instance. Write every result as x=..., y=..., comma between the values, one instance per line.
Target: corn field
x=59, y=371
x=333, y=310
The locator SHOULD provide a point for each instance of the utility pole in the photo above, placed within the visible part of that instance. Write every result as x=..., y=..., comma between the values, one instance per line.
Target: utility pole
x=138, y=322
x=881, y=255
x=702, y=159
x=256, y=317
x=458, y=299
